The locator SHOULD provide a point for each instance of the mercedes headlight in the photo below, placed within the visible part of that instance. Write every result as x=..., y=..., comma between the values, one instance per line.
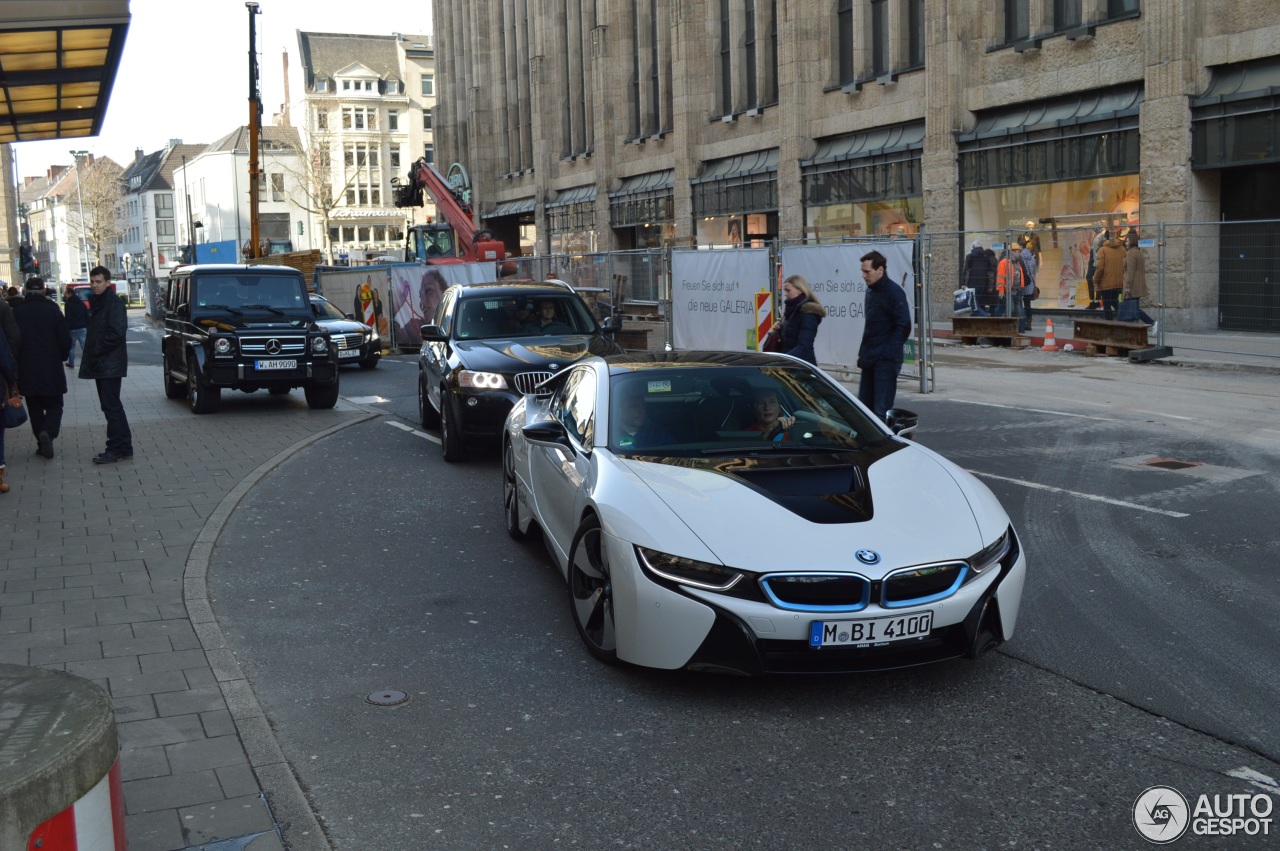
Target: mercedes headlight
x=687, y=571
x=481, y=380
x=224, y=346
x=320, y=344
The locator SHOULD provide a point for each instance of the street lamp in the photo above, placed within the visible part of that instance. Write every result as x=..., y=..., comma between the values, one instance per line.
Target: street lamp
x=84, y=258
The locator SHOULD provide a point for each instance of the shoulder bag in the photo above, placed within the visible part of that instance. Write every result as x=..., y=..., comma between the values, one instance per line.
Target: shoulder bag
x=14, y=413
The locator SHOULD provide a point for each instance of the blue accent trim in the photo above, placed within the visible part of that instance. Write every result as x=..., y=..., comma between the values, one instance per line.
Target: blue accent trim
x=932, y=598
x=796, y=607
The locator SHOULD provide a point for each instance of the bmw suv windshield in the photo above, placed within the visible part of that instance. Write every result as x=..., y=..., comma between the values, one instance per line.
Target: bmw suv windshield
x=540, y=315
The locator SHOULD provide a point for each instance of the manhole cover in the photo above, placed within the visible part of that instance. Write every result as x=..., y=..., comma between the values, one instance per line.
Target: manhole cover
x=1171, y=463
x=389, y=697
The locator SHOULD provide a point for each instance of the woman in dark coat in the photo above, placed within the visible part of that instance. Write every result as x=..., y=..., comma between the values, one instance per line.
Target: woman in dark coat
x=801, y=317
x=9, y=371
x=43, y=381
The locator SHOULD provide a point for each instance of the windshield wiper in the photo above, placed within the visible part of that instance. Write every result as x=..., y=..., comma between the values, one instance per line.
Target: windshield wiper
x=226, y=307
x=753, y=448
x=264, y=307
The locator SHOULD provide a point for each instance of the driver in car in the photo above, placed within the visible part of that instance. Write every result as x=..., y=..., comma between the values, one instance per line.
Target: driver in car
x=546, y=322
x=769, y=420
x=633, y=429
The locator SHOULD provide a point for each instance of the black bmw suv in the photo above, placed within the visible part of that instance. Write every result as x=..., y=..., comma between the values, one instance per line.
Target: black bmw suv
x=244, y=328
x=489, y=344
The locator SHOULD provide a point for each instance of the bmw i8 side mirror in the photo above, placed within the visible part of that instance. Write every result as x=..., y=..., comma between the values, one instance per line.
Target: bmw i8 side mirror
x=901, y=421
x=432, y=334
x=546, y=431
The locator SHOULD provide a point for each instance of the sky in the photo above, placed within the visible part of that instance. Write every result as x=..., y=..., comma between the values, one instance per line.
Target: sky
x=184, y=73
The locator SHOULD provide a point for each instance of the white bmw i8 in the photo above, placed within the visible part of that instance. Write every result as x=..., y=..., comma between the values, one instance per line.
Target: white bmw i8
x=742, y=512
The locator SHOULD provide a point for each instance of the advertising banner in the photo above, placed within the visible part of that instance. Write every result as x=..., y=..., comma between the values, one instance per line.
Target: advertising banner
x=713, y=297
x=416, y=290
x=835, y=273
x=358, y=291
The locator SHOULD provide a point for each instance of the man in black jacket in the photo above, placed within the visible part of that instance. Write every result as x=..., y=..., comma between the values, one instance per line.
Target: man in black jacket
x=40, y=375
x=106, y=361
x=887, y=327
x=77, y=322
x=11, y=330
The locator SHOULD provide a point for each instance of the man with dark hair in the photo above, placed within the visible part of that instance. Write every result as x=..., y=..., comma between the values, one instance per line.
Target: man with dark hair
x=888, y=325
x=106, y=361
x=47, y=343
x=77, y=322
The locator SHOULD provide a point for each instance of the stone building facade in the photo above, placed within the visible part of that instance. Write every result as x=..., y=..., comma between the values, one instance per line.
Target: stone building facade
x=623, y=123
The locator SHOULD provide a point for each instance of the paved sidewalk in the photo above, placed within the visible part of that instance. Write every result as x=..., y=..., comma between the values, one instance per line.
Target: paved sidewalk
x=103, y=577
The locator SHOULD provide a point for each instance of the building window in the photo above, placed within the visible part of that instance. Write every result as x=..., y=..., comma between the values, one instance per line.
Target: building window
x=394, y=155
x=164, y=205
x=879, y=38
x=322, y=119
x=1017, y=20
x=277, y=187
x=749, y=50
x=726, y=60
x=426, y=119
x=429, y=152
x=346, y=85
x=844, y=42
x=351, y=197
x=915, y=33
x=393, y=120
x=359, y=118
x=164, y=232
x=1066, y=14
x=428, y=86
x=1116, y=8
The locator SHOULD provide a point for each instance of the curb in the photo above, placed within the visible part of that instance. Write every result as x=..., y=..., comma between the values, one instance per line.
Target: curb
x=289, y=806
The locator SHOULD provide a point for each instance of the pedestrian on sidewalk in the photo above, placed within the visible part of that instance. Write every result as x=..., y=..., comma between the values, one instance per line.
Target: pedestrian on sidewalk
x=9, y=374
x=41, y=381
x=1108, y=277
x=106, y=361
x=11, y=331
x=1029, y=290
x=802, y=315
x=886, y=329
x=1135, y=279
x=77, y=322
x=13, y=295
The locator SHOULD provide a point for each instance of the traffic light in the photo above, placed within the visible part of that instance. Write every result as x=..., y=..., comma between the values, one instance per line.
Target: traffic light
x=27, y=263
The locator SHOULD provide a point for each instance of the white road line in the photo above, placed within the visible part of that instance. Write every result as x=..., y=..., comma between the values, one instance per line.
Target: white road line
x=1091, y=496
x=1163, y=414
x=1032, y=410
x=413, y=431
x=1257, y=778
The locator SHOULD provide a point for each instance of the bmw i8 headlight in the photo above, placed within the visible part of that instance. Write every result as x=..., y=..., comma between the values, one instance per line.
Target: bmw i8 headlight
x=481, y=380
x=687, y=571
x=992, y=555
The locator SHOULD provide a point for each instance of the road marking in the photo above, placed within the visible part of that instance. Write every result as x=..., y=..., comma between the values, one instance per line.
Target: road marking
x=1032, y=410
x=413, y=431
x=1256, y=778
x=1091, y=496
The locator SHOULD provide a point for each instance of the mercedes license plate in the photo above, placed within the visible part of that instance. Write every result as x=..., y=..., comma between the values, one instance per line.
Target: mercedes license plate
x=871, y=630
x=348, y=353
x=275, y=364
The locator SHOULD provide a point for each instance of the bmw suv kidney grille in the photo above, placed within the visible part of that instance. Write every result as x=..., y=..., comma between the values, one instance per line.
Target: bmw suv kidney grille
x=923, y=584
x=817, y=592
x=527, y=381
x=289, y=345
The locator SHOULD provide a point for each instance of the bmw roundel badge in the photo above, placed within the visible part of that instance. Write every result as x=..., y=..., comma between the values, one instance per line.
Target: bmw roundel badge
x=868, y=556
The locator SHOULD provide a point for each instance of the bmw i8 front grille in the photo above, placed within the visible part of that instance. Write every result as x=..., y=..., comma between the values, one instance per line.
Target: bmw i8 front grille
x=527, y=381
x=817, y=592
x=923, y=584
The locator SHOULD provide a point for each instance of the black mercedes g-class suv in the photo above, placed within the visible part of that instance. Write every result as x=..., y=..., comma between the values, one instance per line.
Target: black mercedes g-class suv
x=244, y=328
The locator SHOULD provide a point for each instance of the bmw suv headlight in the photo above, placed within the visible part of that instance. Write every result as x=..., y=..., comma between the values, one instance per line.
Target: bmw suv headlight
x=224, y=346
x=481, y=380
x=687, y=571
x=320, y=344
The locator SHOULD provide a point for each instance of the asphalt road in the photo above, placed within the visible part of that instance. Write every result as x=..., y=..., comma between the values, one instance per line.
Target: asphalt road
x=1146, y=653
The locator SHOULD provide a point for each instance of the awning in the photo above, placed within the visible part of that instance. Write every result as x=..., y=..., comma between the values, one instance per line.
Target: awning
x=576, y=195
x=518, y=207
x=1237, y=119
x=1064, y=114
x=742, y=165
x=871, y=143
x=58, y=63
x=640, y=184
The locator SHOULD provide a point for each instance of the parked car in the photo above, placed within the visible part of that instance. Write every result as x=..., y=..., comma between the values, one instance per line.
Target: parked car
x=243, y=328
x=743, y=512
x=489, y=344
x=355, y=341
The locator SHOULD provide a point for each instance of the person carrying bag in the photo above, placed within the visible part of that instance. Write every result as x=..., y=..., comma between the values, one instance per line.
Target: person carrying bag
x=14, y=414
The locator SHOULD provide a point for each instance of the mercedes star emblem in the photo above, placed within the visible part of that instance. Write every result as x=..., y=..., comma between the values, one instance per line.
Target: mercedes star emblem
x=273, y=346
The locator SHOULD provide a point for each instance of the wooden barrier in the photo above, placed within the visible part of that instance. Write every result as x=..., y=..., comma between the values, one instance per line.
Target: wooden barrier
x=1106, y=336
x=970, y=328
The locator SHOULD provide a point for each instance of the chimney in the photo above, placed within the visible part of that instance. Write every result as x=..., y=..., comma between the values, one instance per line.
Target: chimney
x=138, y=154
x=284, y=112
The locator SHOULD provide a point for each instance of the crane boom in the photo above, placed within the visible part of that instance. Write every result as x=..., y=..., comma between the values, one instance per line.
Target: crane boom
x=454, y=207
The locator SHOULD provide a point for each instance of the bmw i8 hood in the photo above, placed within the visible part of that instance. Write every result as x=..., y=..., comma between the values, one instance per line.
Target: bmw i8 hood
x=769, y=515
x=515, y=354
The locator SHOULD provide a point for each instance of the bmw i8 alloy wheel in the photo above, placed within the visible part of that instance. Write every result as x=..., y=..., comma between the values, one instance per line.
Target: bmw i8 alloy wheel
x=510, y=497
x=591, y=592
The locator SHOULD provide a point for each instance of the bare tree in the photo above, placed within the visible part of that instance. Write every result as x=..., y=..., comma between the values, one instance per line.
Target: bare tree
x=312, y=189
x=102, y=194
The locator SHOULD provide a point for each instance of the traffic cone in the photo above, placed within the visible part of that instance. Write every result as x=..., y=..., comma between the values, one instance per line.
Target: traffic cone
x=1050, y=344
